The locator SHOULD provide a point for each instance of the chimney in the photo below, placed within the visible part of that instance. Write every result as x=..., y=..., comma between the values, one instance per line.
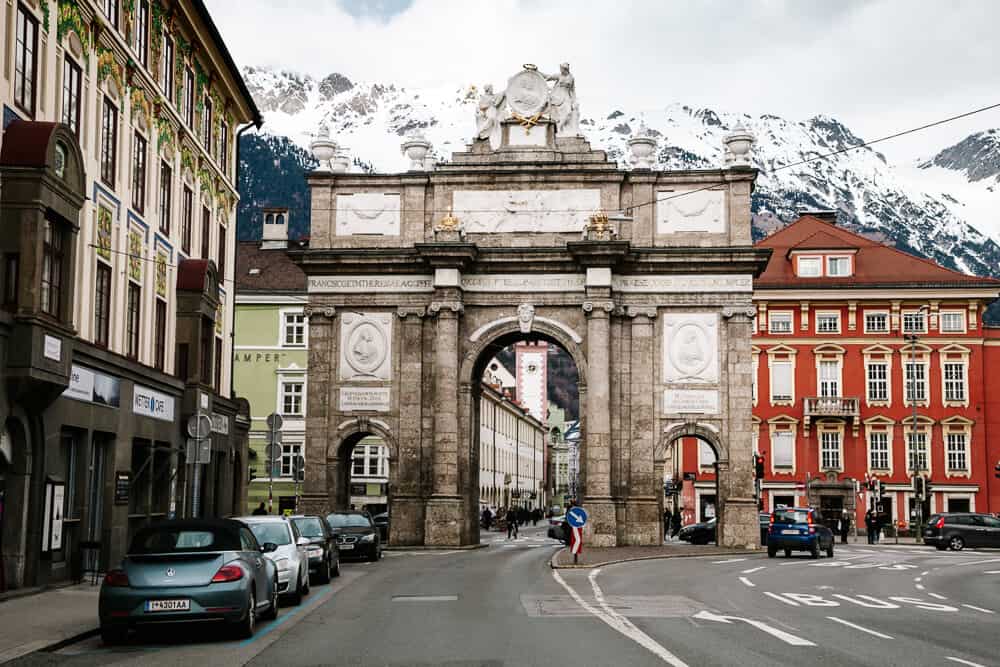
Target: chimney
x=275, y=234
x=824, y=214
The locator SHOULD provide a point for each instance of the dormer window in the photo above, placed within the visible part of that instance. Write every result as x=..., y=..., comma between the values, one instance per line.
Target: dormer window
x=810, y=267
x=838, y=267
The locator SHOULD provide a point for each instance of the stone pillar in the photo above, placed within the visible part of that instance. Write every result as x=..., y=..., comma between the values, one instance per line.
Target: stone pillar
x=642, y=514
x=601, y=529
x=317, y=496
x=442, y=522
x=738, y=521
x=405, y=503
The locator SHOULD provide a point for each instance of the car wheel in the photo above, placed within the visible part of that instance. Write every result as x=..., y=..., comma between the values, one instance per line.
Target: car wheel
x=244, y=627
x=272, y=609
x=336, y=568
x=788, y=553
x=956, y=543
x=296, y=596
x=771, y=552
x=374, y=555
x=112, y=634
x=305, y=582
x=323, y=577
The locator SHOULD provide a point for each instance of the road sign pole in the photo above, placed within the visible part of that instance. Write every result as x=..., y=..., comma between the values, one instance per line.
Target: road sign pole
x=274, y=423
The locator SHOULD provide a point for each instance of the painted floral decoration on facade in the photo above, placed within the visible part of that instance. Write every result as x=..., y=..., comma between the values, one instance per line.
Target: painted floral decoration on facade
x=187, y=160
x=70, y=20
x=165, y=135
x=108, y=66
x=135, y=255
x=103, y=233
x=218, y=314
x=161, y=274
x=140, y=105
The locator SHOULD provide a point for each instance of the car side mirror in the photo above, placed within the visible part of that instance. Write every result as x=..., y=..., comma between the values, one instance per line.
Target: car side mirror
x=268, y=547
x=303, y=542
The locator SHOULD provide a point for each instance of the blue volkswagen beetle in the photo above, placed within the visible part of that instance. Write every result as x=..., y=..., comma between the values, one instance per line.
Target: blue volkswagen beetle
x=190, y=570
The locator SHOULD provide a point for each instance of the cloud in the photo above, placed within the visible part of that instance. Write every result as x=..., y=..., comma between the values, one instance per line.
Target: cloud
x=880, y=66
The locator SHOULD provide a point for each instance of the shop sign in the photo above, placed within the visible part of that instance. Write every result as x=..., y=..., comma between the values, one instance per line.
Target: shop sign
x=123, y=484
x=53, y=348
x=358, y=489
x=151, y=403
x=93, y=387
x=220, y=424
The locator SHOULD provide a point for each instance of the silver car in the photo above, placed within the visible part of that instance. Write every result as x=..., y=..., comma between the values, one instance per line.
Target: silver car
x=291, y=557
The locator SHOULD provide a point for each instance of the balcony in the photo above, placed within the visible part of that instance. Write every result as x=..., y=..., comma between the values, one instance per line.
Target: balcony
x=815, y=407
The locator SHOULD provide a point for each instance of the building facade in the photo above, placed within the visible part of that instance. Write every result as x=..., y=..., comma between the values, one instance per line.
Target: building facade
x=869, y=364
x=118, y=306
x=511, y=453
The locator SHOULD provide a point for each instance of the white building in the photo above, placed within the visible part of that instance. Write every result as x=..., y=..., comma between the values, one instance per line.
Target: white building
x=511, y=453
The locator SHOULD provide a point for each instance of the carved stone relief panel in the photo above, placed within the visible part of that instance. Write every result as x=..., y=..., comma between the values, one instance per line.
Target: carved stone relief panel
x=691, y=348
x=499, y=211
x=365, y=346
x=702, y=211
x=370, y=213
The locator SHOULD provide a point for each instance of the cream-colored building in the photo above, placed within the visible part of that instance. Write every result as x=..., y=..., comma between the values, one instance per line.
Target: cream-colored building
x=511, y=453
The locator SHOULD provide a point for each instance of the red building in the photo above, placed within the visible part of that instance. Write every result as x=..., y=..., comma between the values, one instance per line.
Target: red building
x=853, y=338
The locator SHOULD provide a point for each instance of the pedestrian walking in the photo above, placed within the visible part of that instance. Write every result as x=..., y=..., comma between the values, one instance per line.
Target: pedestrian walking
x=845, y=526
x=487, y=518
x=870, y=526
x=675, y=522
x=511, y=523
x=261, y=510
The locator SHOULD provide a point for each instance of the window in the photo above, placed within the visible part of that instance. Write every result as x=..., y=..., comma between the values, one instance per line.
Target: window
x=954, y=381
x=878, y=450
x=838, y=267
x=782, y=381
x=876, y=322
x=206, y=231
x=52, y=269
x=829, y=449
x=810, y=267
x=141, y=31
x=11, y=269
x=829, y=379
x=139, y=173
x=167, y=75
x=102, y=304
x=878, y=381
x=917, y=450
x=914, y=322
x=72, y=76
x=166, y=187
x=706, y=455
x=111, y=11
x=288, y=454
x=957, y=457
x=206, y=125
x=782, y=448
x=218, y=364
x=26, y=61
x=827, y=322
x=291, y=398
x=780, y=322
x=160, y=340
x=132, y=320
x=222, y=253
x=223, y=148
x=295, y=329
x=189, y=97
x=205, y=343
x=916, y=381
x=358, y=463
x=109, y=142
x=953, y=322
x=187, y=213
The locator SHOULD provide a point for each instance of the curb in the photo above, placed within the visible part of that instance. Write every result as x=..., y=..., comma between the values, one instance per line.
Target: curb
x=63, y=643
x=555, y=566
x=466, y=547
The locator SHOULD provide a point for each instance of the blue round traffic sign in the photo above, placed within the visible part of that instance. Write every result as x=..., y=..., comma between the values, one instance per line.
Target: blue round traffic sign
x=576, y=517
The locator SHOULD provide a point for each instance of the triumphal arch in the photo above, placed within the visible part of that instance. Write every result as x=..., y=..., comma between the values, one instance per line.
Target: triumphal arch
x=644, y=276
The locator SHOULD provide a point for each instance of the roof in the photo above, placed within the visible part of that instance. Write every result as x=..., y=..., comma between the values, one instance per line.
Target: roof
x=234, y=71
x=26, y=143
x=876, y=264
x=277, y=272
x=191, y=274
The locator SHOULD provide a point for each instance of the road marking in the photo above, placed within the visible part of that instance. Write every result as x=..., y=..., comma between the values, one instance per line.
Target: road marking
x=620, y=623
x=920, y=587
x=992, y=572
x=980, y=562
x=754, y=569
x=786, y=637
x=731, y=560
x=747, y=582
x=918, y=578
x=985, y=611
x=925, y=573
x=964, y=662
x=424, y=598
x=781, y=598
x=939, y=597
x=859, y=627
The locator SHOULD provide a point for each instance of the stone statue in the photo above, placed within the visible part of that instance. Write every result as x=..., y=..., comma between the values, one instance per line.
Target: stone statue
x=525, y=317
x=563, y=107
x=488, y=116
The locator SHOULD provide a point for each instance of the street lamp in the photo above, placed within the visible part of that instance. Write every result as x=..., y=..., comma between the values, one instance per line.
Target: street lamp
x=918, y=487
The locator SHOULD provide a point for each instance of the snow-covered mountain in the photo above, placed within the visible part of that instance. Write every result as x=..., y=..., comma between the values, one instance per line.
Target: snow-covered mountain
x=902, y=205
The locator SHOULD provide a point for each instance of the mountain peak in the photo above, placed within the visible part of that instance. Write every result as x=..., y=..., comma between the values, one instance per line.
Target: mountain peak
x=977, y=156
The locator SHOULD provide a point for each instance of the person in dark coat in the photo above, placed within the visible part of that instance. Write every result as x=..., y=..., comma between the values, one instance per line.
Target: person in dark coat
x=261, y=510
x=511, y=522
x=845, y=526
x=487, y=518
x=870, y=526
x=675, y=523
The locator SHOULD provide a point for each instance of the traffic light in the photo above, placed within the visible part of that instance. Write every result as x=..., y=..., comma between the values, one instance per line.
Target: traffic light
x=759, y=465
x=918, y=486
x=881, y=488
x=252, y=473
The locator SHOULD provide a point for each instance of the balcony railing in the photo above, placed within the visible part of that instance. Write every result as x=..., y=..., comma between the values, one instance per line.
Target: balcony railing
x=816, y=407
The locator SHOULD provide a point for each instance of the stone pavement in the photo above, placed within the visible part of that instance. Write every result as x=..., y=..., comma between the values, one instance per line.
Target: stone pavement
x=34, y=622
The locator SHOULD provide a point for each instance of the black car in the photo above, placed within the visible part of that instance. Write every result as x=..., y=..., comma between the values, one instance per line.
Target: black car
x=699, y=533
x=958, y=530
x=324, y=555
x=357, y=535
x=382, y=523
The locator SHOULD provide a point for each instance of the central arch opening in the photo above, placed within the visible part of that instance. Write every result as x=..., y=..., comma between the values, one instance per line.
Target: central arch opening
x=525, y=428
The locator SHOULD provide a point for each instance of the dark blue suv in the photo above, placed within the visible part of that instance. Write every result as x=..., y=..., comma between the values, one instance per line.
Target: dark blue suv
x=798, y=529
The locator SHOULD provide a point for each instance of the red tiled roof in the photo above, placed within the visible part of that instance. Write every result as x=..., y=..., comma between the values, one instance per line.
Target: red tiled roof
x=277, y=272
x=875, y=264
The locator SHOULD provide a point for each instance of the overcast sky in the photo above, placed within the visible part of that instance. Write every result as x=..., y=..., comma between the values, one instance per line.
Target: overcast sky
x=878, y=66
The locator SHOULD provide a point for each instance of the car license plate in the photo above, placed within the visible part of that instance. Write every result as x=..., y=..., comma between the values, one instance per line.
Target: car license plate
x=789, y=532
x=168, y=605
x=346, y=547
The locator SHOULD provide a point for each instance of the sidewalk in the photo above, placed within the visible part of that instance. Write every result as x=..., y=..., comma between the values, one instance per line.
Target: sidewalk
x=33, y=622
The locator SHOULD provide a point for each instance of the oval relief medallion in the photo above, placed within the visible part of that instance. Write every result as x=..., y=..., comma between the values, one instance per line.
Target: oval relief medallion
x=691, y=349
x=367, y=347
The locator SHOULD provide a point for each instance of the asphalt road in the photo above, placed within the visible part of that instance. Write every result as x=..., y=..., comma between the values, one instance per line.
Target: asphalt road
x=503, y=605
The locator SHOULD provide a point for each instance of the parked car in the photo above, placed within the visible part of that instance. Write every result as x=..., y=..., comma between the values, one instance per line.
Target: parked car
x=798, y=529
x=190, y=570
x=324, y=556
x=557, y=528
x=382, y=523
x=958, y=530
x=290, y=556
x=357, y=536
x=699, y=533
x=764, y=520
